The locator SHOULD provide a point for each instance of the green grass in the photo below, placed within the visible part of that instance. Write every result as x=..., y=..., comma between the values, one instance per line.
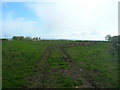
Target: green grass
x=56, y=60
x=59, y=80
x=98, y=61
x=18, y=60
x=65, y=82
x=56, y=64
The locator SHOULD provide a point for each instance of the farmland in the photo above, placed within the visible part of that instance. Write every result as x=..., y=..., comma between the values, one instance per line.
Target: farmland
x=59, y=64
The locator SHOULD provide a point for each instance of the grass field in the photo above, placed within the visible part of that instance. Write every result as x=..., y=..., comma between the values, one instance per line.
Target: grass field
x=50, y=64
x=18, y=60
x=98, y=61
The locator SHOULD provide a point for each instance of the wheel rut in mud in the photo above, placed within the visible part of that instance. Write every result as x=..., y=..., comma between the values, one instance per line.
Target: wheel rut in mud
x=42, y=74
x=77, y=71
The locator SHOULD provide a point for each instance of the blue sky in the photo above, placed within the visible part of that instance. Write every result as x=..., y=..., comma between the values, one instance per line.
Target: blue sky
x=73, y=19
x=19, y=10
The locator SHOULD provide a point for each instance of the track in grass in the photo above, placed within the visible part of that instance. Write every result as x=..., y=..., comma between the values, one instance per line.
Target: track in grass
x=51, y=66
x=78, y=72
x=58, y=65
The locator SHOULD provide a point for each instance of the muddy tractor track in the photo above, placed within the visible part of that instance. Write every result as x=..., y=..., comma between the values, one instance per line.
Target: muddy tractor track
x=41, y=74
x=77, y=72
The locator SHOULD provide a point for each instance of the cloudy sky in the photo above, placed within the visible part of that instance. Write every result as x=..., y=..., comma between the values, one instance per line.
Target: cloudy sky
x=60, y=19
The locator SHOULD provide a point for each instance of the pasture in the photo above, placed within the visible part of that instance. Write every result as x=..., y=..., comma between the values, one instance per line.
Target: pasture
x=59, y=64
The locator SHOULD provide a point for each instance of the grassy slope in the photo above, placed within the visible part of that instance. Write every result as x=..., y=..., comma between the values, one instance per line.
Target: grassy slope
x=98, y=61
x=19, y=59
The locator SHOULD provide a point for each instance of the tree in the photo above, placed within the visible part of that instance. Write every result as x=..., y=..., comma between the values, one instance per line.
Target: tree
x=28, y=38
x=35, y=39
x=108, y=37
x=18, y=38
x=39, y=38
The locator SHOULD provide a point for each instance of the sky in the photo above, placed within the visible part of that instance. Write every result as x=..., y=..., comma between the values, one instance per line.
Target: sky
x=60, y=19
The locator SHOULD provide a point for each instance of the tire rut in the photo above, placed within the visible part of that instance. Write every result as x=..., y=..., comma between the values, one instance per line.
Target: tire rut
x=77, y=71
x=40, y=74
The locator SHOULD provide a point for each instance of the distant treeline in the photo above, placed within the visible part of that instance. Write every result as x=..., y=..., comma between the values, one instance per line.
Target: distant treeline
x=24, y=38
x=115, y=39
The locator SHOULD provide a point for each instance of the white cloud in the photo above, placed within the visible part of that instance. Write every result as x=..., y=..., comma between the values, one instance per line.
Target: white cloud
x=18, y=26
x=72, y=19
x=78, y=16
